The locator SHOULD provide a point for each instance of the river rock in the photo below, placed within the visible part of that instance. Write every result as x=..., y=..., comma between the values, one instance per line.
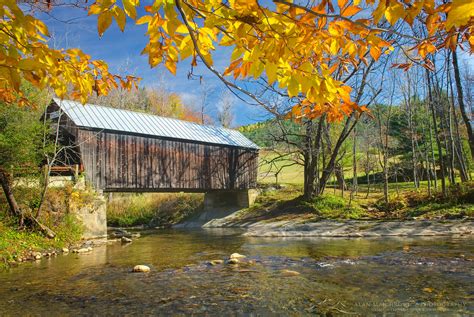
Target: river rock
x=289, y=273
x=82, y=250
x=141, y=269
x=37, y=255
x=237, y=256
x=233, y=261
x=215, y=262
x=65, y=250
x=125, y=240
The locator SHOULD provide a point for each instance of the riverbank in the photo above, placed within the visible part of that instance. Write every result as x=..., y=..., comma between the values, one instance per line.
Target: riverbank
x=20, y=245
x=355, y=228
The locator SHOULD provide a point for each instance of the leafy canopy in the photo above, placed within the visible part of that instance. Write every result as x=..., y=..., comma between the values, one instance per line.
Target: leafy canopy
x=306, y=50
x=25, y=53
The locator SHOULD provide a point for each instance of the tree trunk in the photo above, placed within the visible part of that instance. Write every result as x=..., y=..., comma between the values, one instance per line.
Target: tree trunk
x=12, y=204
x=16, y=211
x=438, y=141
x=309, y=190
x=462, y=106
x=354, y=163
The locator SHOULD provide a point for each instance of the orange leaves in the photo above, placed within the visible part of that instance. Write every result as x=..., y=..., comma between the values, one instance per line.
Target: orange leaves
x=426, y=48
x=232, y=66
x=350, y=11
x=375, y=52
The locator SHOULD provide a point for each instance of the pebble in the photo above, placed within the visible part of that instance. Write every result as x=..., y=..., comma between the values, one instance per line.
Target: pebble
x=215, y=262
x=237, y=256
x=141, y=268
x=125, y=240
x=65, y=250
x=289, y=273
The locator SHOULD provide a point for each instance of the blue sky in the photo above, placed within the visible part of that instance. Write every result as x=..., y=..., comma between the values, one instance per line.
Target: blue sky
x=73, y=28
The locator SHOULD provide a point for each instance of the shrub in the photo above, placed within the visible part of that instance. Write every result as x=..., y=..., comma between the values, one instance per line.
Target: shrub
x=395, y=203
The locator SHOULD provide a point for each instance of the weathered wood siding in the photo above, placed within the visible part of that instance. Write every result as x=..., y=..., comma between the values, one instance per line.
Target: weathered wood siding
x=124, y=162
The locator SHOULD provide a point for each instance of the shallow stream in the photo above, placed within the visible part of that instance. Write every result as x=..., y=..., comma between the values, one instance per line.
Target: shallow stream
x=338, y=276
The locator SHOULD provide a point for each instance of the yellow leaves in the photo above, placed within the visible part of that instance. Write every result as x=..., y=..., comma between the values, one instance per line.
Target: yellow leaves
x=129, y=7
x=394, y=12
x=41, y=27
x=104, y=21
x=120, y=17
x=244, y=6
x=462, y=11
x=95, y=9
x=171, y=66
x=29, y=58
x=183, y=29
x=335, y=30
x=291, y=46
x=293, y=87
x=271, y=71
x=27, y=64
x=144, y=19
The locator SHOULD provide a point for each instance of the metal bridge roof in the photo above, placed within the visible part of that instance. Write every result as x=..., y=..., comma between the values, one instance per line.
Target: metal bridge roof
x=99, y=117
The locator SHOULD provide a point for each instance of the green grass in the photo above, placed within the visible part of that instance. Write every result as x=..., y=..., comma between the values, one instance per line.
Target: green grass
x=335, y=207
x=153, y=209
x=289, y=175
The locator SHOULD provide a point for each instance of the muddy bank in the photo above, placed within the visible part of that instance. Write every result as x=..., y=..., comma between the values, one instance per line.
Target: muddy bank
x=357, y=228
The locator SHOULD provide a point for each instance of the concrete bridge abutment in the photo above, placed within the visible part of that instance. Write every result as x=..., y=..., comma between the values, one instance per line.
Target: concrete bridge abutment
x=93, y=217
x=243, y=198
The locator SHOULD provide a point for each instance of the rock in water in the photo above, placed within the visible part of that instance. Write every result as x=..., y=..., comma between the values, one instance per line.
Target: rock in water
x=289, y=273
x=215, y=262
x=126, y=240
x=141, y=269
x=237, y=256
x=65, y=250
x=82, y=250
x=233, y=261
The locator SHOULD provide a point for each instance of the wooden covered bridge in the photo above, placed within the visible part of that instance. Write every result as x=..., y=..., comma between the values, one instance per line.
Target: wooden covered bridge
x=126, y=151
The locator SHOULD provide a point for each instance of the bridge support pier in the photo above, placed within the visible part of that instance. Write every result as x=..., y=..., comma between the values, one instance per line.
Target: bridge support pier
x=243, y=198
x=93, y=217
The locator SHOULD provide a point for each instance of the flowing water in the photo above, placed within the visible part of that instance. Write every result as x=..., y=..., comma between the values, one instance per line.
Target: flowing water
x=432, y=277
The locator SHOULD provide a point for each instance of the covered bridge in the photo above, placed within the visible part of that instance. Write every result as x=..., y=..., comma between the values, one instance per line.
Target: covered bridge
x=126, y=151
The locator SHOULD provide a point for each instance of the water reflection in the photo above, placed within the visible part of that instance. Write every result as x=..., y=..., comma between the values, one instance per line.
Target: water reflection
x=397, y=276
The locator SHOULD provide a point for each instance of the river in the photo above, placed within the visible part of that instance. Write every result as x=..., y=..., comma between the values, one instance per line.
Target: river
x=337, y=276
